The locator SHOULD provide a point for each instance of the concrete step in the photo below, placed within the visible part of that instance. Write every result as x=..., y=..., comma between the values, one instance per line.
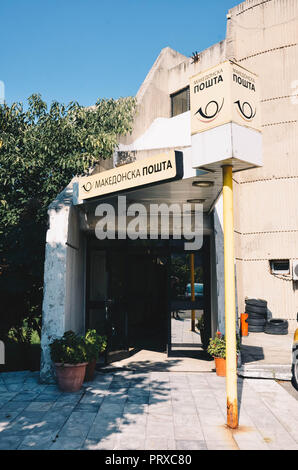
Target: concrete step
x=266, y=371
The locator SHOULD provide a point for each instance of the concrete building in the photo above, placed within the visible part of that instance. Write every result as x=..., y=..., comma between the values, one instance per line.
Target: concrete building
x=262, y=36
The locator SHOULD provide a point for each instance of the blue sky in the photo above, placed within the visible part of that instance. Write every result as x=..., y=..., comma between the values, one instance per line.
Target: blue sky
x=87, y=49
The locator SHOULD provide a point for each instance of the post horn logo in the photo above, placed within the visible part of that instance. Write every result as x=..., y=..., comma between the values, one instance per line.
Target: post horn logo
x=245, y=110
x=211, y=111
x=88, y=186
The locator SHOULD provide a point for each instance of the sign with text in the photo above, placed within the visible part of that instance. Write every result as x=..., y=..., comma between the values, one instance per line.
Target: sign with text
x=222, y=94
x=160, y=168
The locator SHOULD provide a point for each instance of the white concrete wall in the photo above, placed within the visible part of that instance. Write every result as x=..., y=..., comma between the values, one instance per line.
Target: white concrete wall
x=75, y=275
x=163, y=133
x=263, y=37
x=153, y=99
x=63, y=302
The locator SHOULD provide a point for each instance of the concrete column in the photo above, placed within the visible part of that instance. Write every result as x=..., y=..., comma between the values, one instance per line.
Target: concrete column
x=64, y=273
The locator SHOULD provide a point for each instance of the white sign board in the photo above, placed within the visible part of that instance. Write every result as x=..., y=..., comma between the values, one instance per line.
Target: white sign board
x=225, y=93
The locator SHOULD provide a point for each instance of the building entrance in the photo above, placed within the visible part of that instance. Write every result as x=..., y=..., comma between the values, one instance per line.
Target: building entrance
x=190, y=302
x=139, y=295
x=138, y=287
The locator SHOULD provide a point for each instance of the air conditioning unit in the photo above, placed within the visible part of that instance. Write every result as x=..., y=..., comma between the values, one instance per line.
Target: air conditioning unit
x=295, y=269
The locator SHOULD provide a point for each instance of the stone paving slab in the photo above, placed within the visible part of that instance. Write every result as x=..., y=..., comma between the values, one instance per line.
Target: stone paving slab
x=265, y=349
x=181, y=330
x=132, y=410
x=159, y=361
x=266, y=356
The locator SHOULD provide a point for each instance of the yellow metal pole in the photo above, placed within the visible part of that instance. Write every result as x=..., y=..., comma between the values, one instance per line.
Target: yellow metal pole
x=192, y=283
x=230, y=305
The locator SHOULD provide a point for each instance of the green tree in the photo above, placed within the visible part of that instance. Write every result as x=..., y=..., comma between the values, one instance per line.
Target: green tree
x=41, y=149
x=180, y=268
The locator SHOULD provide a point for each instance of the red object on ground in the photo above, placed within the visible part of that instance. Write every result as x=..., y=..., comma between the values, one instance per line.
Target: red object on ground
x=244, y=324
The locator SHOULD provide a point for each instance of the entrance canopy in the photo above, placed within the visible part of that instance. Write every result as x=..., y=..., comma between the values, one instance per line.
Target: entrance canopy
x=176, y=192
x=186, y=186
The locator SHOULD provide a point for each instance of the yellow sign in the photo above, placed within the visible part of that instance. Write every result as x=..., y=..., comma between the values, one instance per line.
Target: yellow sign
x=224, y=93
x=166, y=166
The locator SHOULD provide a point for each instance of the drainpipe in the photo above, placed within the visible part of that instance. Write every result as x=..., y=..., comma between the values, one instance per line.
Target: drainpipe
x=192, y=282
x=230, y=304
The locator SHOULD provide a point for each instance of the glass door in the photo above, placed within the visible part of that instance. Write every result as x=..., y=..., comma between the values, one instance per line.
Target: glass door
x=189, y=322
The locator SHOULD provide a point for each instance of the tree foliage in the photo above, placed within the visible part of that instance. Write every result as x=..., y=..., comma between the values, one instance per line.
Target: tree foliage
x=180, y=269
x=41, y=149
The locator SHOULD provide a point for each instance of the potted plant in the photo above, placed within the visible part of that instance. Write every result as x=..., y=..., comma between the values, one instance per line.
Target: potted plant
x=203, y=332
x=69, y=356
x=217, y=349
x=95, y=345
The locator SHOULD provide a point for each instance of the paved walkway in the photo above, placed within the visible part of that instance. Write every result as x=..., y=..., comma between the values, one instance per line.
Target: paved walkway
x=179, y=361
x=261, y=348
x=267, y=356
x=144, y=410
x=181, y=331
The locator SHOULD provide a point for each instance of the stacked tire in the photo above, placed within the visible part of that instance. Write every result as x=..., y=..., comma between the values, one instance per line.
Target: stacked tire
x=257, y=315
x=277, y=326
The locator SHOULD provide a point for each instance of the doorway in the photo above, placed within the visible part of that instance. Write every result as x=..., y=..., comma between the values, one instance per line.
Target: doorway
x=131, y=297
x=189, y=303
x=138, y=287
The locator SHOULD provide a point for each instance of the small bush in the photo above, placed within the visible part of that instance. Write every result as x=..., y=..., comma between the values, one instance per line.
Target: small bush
x=95, y=344
x=70, y=349
x=217, y=346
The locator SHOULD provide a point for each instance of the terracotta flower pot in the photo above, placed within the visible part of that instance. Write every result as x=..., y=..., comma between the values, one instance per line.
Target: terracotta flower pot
x=90, y=369
x=70, y=377
x=220, y=366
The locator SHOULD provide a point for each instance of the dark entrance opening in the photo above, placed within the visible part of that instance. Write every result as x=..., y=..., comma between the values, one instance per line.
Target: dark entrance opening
x=130, y=295
x=138, y=287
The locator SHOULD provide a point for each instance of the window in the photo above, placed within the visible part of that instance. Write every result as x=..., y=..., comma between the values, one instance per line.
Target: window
x=180, y=102
x=280, y=266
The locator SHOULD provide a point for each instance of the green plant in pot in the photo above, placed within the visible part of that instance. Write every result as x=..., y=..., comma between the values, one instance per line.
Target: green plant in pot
x=70, y=358
x=95, y=345
x=203, y=332
x=217, y=349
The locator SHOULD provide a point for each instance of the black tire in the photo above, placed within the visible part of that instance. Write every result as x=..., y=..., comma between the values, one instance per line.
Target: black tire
x=277, y=326
x=255, y=329
x=256, y=302
x=275, y=332
x=256, y=321
x=256, y=316
x=278, y=323
x=254, y=309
